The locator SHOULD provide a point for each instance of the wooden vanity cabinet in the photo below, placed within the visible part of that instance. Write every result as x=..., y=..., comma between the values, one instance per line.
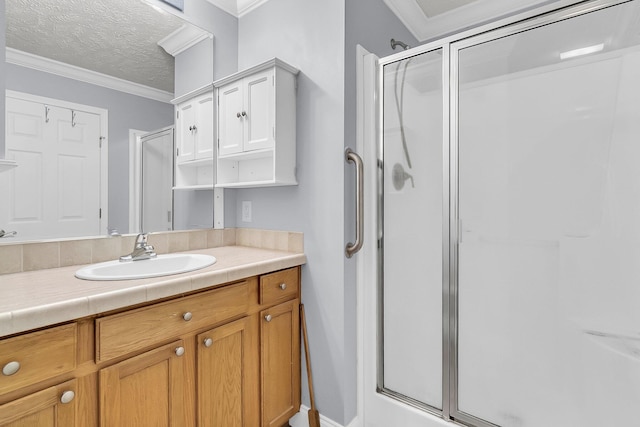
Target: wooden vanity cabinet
x=52, y=407
x=229, y=356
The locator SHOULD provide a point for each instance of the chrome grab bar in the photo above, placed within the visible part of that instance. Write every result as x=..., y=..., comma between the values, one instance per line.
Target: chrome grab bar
x=352, y=157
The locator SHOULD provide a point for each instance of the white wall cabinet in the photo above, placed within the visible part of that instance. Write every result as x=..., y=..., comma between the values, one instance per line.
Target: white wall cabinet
x=195, y=139
x=257, y=126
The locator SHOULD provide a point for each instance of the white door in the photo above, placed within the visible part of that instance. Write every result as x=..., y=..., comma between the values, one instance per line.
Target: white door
x=55, y=190
x=230, y=119
x=259, y=117
x=402, y=314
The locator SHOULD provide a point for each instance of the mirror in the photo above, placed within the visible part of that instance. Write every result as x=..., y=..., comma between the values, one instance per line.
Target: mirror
x=81, y=71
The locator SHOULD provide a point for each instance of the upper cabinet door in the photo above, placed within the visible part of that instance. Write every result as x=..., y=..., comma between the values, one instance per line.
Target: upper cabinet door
x=259, y=110
x=230, y=132
x=204, y=134
x=186, y=119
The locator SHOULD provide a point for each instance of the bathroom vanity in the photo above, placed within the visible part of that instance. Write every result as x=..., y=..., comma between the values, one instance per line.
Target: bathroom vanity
x=215, y=347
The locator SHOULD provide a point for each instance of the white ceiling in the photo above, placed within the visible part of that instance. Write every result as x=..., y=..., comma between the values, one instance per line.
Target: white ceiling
x=118, y=38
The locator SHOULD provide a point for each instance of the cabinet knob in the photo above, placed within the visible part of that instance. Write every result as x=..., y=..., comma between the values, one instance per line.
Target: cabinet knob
x=11, y=368
x=267, y=318
x=187, y=316
x=67, y=396
x=283, y=286
x=238, y=115
x=208, y=342
x=179, y=351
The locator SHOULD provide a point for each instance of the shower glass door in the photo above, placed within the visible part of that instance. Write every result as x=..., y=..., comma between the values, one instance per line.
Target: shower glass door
x=548, y=222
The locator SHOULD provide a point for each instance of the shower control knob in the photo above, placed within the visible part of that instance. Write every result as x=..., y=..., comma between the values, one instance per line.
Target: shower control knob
x=208, y=342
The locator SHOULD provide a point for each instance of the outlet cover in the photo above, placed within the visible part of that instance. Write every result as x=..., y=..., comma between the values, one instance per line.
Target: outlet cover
x=246, y=211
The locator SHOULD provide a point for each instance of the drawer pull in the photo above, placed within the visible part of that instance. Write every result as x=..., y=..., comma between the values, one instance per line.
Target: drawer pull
x=67, y=396
x=283, y=286
x=187, y=316
x=208, y=342
x=179, y=351
x=267, y=318
x=11, y=368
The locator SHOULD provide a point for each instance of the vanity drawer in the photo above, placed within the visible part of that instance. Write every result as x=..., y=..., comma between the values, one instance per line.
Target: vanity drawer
x=134, y=330
x=34, y=357
x=279, y=286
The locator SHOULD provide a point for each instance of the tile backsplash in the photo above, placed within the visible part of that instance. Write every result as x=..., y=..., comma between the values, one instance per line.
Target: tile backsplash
x=29, y=256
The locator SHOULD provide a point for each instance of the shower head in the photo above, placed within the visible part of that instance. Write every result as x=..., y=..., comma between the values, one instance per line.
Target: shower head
x=395, y=43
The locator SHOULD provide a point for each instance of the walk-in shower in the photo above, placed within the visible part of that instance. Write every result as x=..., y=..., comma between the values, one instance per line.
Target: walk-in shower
x=509, y=276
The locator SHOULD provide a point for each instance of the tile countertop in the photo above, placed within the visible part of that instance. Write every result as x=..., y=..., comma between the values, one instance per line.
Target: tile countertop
x=41, y=298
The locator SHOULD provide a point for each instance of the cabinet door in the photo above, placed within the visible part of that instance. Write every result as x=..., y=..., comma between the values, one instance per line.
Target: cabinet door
x=260, y=111
x=146, y=390
x=204, y=134
x=185, y=134
x=280, y=351
x=224, y=376
x=42, y=409
x=230, y=119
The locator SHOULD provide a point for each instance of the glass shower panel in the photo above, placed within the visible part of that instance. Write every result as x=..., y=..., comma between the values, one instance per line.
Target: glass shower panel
x=412, y=228
x=549, y=224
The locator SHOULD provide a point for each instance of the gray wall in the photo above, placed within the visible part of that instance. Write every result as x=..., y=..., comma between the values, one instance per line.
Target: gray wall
x=225, y=29
x=369, y=23
x=194, y=68
x=125, y=112
x=310, y=35
x=320, y=39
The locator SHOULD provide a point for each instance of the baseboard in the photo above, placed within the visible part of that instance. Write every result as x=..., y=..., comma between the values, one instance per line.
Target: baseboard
x=302, y=420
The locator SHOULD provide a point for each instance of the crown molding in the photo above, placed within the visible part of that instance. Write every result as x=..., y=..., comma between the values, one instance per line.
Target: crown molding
x=182, y=39
x=237, y=8
x=51, y=66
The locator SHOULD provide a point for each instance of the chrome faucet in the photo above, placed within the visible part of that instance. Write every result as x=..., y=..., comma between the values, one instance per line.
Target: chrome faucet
x=141, y=250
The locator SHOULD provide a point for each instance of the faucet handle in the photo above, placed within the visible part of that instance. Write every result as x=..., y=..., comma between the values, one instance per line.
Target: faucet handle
x=141, y=239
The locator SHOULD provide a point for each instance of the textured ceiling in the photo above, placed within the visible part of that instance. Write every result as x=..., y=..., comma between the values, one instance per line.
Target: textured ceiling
x=437, y=7
x=113, y=37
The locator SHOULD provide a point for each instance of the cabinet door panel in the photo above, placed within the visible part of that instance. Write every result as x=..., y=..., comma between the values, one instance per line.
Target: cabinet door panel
x=185, y=134
x=280, y=348
x=260, y=109
x=41, y=409
x=231, y=105
x=223, y=377
x=204, y=134
x=146, y=390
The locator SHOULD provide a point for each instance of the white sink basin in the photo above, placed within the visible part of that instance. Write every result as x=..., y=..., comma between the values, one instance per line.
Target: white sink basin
x=162, y=265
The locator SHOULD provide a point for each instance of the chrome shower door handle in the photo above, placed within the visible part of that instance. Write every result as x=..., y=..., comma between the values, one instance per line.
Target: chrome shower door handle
x=352, y=157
